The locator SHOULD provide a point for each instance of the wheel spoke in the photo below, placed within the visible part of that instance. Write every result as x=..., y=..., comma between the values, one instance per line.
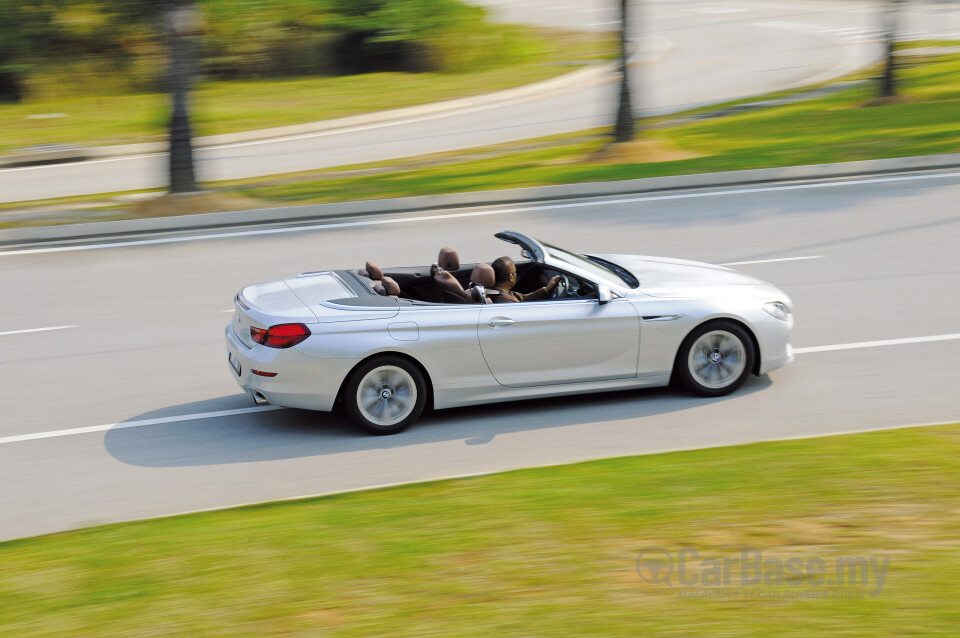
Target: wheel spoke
x=378, y=407
x=728, y=369
x=715, y=373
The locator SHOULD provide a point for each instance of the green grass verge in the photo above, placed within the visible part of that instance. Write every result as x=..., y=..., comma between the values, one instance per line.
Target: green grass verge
x=916, y=44
x=544, y=552
x=227, y=107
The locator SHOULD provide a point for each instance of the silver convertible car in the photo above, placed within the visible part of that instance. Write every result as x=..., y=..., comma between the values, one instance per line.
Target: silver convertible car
x=386, y=343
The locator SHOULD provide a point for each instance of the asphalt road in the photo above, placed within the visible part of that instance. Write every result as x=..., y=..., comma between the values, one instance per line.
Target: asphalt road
x=689, y=53
x=139, y=342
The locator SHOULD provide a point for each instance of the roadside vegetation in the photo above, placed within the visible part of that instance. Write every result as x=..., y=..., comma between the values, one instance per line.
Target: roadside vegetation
x=95, y=73
x=845, y=125
x=545, y=552
x=835, y=127
x=67, y=47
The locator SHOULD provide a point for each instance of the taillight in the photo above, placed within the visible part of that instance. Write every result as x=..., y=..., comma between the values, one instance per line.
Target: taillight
x=285, y=335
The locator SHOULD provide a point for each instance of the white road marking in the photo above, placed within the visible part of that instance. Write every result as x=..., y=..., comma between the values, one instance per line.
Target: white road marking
x=876, y=344
x=20, y=332
x=718, y=10
x=212, y=415
x=769, y=261
x=133, y=424
x=319, y=226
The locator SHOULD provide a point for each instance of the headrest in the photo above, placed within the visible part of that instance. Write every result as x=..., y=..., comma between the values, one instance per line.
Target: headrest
x=449, y=259
x=482, y=275
x=372, y=271
x=391, y=287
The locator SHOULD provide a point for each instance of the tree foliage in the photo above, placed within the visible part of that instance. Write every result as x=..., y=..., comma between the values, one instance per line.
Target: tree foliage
x=23, y=27
x=118, y=41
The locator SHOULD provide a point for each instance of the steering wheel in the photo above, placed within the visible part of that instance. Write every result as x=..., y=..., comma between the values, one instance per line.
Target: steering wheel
x=562, y=289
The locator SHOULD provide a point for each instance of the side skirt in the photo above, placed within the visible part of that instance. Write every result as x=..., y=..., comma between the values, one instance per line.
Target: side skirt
x=459, y=396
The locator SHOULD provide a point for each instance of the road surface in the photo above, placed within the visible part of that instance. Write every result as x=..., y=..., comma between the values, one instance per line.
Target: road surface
x=132, y=334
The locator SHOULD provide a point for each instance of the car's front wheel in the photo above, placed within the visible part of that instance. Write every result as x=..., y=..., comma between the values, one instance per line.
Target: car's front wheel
x=385, y=395
x=715, y=359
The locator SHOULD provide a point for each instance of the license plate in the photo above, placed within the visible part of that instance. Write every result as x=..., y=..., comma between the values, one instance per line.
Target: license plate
x=234, y=363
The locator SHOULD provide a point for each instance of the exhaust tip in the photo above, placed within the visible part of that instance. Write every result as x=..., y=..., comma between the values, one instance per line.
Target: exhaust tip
x=258, y=399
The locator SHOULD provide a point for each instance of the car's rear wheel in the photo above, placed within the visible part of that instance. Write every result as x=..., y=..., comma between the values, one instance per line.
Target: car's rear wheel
x=715, y=359
x=385, y=395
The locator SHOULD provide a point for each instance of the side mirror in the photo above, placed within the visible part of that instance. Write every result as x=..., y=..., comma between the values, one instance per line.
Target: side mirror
x=605, y=294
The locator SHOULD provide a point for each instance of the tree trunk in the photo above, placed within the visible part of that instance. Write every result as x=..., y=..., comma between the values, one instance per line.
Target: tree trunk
x=181, y=168
x=888, y=87
x=624, y=129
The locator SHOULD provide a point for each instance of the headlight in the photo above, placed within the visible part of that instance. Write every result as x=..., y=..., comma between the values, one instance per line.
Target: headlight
x=778, y=310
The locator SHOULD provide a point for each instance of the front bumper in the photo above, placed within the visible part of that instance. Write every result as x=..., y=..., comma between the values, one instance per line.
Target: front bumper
x=773, y=337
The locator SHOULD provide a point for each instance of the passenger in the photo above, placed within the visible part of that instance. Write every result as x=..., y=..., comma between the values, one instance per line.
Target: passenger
x=505, y=274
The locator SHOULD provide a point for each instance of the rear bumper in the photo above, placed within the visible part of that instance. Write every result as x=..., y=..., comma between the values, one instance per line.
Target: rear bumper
x=301, y=382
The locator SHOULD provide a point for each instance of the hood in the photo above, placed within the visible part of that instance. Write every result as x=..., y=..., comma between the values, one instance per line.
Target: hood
x=666, y=277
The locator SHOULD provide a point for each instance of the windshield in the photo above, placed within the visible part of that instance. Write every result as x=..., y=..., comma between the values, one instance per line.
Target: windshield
x=597, y=268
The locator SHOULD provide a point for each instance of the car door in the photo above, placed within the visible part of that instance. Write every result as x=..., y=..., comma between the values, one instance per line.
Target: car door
x=559, y=341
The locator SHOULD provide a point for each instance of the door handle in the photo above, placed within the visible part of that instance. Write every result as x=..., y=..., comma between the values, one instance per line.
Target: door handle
x=500, y=321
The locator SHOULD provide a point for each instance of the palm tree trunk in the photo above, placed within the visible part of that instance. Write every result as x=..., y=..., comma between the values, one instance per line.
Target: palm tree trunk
x=624, y=129
x=181, y=166
x=888, y=86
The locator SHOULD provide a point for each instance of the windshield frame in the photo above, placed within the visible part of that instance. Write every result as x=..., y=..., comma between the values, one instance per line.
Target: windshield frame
x=582, y=263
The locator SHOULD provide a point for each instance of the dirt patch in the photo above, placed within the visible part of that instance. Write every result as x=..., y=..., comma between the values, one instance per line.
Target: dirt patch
x=641, y=151
x=170, y=204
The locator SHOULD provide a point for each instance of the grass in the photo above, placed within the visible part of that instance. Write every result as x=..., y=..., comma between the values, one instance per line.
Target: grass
x=917, y=44
x=227, y=107
x=545, y=552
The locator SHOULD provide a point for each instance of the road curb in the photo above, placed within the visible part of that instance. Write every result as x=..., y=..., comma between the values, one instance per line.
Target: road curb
x=316, y=213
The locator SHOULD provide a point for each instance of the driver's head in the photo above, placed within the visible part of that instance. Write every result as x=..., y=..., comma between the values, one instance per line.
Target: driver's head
x=504, y=273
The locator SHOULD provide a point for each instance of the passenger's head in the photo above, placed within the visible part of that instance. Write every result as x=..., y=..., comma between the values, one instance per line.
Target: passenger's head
x=504, y=272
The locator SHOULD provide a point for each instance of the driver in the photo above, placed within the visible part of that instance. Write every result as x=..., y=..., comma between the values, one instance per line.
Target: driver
x=505, y=277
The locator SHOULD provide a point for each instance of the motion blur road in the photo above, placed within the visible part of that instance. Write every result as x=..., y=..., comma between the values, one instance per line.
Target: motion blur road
x=688, y=53
x=126, y=340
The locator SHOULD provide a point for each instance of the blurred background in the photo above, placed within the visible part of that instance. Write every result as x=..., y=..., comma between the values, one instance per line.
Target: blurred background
x=119, y=407
x=85, y=54
x=223, y=85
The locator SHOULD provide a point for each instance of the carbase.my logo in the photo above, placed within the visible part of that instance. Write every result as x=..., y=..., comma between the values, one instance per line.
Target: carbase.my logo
x=655, y=565
x=750, y=567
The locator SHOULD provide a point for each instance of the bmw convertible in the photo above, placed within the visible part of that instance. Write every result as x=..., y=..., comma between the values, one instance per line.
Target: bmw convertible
x=386, y=343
